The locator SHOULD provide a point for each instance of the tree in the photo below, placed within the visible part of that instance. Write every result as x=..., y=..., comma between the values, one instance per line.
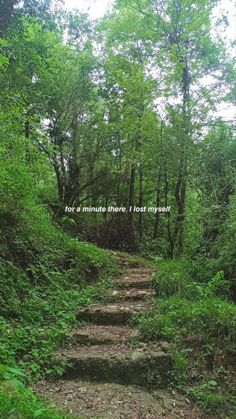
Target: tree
x=182, y=52
x=6, y=14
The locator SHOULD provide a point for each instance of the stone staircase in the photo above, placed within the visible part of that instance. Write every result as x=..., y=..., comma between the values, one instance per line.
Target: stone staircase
x=106, y=366
x=106, y=348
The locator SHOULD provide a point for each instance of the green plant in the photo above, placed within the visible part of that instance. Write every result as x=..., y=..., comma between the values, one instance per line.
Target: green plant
x=156, y=327
x=179, y=359
x=217, y=286
x=208, y=396
x=17, y=401
x=174, y=278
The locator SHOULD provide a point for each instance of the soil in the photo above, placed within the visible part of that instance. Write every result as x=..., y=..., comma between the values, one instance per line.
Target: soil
x=97, y=335
x=86, y=400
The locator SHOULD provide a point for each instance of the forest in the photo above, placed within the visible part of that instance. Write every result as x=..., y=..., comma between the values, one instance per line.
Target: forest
x=115, y=154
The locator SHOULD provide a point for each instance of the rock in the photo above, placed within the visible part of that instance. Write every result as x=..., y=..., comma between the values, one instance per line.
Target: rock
x=131, y=294
x=135, y=356
x=112, y=314
x=99, y=335
x=165, y=346
x=118, y=364
x=135, y=335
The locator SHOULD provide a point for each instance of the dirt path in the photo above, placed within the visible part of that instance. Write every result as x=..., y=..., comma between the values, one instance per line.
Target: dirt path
x=108, y=372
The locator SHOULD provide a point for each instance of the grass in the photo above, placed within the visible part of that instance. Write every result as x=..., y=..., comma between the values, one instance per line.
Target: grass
x=208, y=396
x=45, y=315
x=198, y=320
x=174, y=278
x=45, y=277
x=156, y=327
x=18, y=402
x=45, y=320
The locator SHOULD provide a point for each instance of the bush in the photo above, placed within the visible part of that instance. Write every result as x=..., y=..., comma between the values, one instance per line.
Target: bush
x=225, y=249
x=190, y=279
x=18, y=402
x=156, y=327
x=208, y=397
x=212, y=318
x=45, y=276
x=174, y=278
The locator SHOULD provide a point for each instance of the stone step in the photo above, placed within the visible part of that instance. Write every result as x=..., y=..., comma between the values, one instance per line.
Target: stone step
x=140, y=278
x=107, y=335
x=122, y=261
x=118, y=363
x=99, y=335
x=139, y=282
x=132, y=294
x=112, y=314
x=140, y=271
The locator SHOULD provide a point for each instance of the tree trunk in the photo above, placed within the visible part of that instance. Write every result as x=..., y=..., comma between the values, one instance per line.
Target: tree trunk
x=158, y=190
x=131, y=193
x=140, y=201
x=170, y=252
x=27, y=136
x=180, y=188
x=158, y=200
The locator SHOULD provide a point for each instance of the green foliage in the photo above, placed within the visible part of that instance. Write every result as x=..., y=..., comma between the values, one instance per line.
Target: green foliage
x=156, y=327
x=180, y=364
x=179, y=360
x=198, y=321
x=190, y=279
x=174, y=278
x=212, y=318
x=83, y=127
x=17, y=401
x=224, y=249
x=208, y=396
x=217, y=286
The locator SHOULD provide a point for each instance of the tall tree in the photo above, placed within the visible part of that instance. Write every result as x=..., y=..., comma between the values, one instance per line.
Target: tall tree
x=182, y=52
x=6, y=14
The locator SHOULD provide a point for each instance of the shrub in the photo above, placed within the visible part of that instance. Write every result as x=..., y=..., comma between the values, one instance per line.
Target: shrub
x=213, y=318
x=45, y=276
x=156, y=327
x=18, y=402
x=208, y=396
x=174, y=278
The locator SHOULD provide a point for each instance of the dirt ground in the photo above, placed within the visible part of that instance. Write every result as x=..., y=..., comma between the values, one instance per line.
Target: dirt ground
x=86, y=400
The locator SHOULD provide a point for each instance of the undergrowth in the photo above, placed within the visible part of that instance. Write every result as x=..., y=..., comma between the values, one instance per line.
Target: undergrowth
x=45, y=277
x=16, y=401
x=200, y=327
x=38, y=320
